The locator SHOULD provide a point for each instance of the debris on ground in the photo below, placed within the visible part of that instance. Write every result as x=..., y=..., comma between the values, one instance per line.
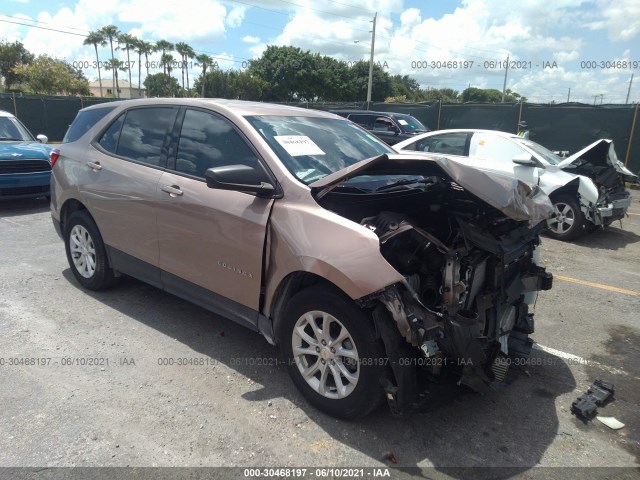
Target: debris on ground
x=391, y=457
x=611, y=422
x=598, y=395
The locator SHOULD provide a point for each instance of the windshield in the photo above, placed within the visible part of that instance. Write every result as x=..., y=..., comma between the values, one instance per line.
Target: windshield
x=410, y=124
x=545, y=153
x=12, y=129
x=313, y=147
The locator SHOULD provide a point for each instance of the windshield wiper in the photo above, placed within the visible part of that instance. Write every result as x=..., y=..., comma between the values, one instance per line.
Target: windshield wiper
x=11, y=139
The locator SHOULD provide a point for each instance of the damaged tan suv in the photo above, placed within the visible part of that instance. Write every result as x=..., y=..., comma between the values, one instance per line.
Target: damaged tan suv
x=372, y=271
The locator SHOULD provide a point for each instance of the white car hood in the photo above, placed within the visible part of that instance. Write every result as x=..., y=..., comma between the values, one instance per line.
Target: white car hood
x=600, y=153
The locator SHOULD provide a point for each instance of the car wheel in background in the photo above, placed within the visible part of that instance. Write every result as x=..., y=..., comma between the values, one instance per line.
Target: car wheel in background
x=332, y=353
x=86, y=253
x=568, y=221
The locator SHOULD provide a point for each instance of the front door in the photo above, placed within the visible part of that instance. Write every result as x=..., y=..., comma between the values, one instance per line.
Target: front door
x=211, y=241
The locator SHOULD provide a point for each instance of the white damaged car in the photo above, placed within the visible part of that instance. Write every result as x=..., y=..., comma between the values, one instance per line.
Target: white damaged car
x=587, y=188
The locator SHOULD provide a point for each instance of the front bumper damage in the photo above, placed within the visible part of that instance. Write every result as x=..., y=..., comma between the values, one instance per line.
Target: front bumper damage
x=480, y=320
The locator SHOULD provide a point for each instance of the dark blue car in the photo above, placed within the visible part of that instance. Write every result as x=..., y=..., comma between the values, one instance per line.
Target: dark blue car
x=25, y=170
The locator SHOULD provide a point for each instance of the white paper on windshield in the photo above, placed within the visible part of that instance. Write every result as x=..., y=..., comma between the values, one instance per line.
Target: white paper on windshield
x=297, y=145
x=403, y=122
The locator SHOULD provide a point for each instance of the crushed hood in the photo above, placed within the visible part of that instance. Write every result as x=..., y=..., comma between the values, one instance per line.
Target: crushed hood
x=600, y=153
x=514, y=198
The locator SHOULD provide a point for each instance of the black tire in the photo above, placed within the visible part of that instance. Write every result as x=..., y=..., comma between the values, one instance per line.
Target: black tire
x=86, y=253
x=568, y=222
x=358, y=398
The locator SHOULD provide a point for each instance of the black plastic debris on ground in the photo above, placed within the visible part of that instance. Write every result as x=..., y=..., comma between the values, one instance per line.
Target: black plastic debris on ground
x=598, y=395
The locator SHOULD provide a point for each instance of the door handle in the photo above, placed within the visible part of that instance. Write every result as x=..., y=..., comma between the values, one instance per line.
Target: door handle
x=172, y=190
x=95, y=166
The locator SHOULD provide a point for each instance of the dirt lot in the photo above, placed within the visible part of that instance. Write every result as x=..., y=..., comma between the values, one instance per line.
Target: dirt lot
x=102, y=395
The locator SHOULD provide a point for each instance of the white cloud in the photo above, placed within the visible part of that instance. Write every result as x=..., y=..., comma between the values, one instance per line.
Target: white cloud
x=621, y=19
x=250, y=39
x=236, y=15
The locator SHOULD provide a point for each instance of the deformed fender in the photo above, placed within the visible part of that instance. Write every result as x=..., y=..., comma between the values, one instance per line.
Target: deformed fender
x=321, y=242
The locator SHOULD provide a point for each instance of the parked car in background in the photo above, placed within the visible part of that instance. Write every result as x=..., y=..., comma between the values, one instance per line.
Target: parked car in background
x=586, y=188
x=390, y=127
x=25, y=169
x=368, y=268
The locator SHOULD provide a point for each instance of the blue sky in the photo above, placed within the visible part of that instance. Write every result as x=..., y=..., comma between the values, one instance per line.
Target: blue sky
x=568, y=44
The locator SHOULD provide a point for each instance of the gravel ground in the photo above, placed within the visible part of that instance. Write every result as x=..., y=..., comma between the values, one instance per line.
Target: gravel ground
x=101, y=395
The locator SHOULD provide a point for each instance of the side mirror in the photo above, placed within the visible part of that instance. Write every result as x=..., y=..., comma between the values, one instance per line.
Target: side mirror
x=527, y=160
x=42, y=138
x=241, y=178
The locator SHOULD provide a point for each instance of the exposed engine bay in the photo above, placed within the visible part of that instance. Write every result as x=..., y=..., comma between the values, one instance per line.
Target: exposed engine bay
x=467, y=268
x=600, y=163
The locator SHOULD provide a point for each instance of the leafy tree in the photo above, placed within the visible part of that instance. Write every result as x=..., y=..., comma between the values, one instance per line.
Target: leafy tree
x=231, y=84
x=186, y=52
x=50, y=76
x=96, y=38
x=381, y=82
x=12, y=56
x=404, y=85
x=443, y=94
x=288, y=70
x=473, y=94
x=128, y=43
x=160, y=85
x=110, y=33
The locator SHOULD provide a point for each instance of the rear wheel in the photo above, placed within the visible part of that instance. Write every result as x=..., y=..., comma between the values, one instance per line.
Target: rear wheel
x=568, y=221
x=332, y=353
x=86, y=252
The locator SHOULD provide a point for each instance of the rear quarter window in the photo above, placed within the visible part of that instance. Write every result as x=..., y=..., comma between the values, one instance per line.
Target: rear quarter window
x=84, y=121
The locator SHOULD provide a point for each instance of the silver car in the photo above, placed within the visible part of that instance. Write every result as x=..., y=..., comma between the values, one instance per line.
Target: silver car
x=370, y=270
x=587, y=188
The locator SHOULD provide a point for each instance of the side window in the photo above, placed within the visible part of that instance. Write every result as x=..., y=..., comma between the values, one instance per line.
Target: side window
x=383, y=124
x=109, y=139
x=446, y=143
x=362, y=120
x=83, y=122
x=143, y=133
x=208, y=141
x=493, y=147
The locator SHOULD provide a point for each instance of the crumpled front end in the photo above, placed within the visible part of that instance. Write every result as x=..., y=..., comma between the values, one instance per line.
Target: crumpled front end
x=600, y=163
x=465, y=244
x=463, y=302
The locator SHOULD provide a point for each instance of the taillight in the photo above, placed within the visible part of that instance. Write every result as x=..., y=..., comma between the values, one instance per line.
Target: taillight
x=53, y=156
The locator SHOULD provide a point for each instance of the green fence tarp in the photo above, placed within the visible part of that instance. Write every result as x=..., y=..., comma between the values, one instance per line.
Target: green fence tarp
x=567, y=127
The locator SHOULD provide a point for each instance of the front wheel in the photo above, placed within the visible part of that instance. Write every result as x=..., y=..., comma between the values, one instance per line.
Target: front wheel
x=332, y=353
x=86, y=252
x=568, y=221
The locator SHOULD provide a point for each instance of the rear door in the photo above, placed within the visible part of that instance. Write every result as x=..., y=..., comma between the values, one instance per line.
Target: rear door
x=211, y=241
x=120, y=181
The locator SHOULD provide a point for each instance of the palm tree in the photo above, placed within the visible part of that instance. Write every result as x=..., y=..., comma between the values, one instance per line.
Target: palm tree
x=163, y=46
x=167, y=61
x=115, y=65
x=96, y=38
x=129, y=42
x=142, y=48
x=204, y=61
x=185, y=52
x=111, y=32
